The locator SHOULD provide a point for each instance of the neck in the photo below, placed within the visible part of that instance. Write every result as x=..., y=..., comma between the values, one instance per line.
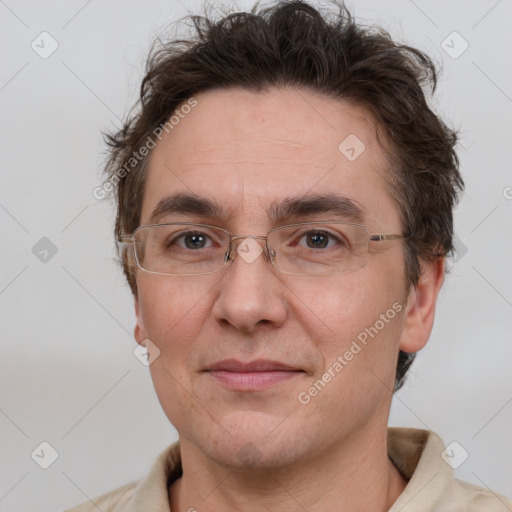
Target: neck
x=357, y=475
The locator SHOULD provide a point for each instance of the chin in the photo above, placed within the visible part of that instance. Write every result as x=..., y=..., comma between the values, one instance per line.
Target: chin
x=254, y=441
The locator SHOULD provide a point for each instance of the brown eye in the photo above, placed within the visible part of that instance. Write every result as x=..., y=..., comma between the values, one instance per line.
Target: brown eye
x=317, y=240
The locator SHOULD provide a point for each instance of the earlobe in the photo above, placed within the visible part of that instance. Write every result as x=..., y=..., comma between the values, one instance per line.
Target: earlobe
x=139, y=331
x=421, y=305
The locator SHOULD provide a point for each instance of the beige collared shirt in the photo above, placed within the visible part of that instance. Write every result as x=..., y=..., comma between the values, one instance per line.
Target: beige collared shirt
x=416, y=453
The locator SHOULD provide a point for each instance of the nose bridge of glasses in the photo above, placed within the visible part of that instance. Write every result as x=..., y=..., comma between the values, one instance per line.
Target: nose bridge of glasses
x=242, y=244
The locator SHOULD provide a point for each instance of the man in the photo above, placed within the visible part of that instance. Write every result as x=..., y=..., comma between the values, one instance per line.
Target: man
x=285, y=201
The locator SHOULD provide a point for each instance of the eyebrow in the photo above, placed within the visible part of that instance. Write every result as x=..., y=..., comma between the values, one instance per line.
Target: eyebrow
x=278, y=211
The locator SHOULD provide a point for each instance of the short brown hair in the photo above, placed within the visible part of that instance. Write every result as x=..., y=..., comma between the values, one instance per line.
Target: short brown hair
x=291, y=43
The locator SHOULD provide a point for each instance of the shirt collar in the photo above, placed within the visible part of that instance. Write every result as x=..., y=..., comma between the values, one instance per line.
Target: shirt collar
x=417, y=455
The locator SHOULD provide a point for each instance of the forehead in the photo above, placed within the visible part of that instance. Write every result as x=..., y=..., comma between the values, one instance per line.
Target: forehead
x=248, y=151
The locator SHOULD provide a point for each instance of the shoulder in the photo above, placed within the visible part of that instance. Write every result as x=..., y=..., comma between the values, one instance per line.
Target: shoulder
x=149, y=493
x=423, y=460
x=472, y=498
x=113, y=501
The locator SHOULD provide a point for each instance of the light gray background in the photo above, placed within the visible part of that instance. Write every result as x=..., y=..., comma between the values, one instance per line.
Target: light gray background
x=68, y=373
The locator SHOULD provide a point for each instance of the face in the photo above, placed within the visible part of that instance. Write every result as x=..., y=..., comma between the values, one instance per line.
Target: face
x=246, y=151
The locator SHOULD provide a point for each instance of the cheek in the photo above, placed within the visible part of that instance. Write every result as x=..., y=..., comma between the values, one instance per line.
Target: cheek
x=337, y=308
x=167, y=304
x=173, y=312
x=359, y=358
x=359, y=320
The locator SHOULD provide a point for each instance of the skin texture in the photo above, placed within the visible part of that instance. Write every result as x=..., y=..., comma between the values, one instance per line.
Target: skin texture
x=244, y=150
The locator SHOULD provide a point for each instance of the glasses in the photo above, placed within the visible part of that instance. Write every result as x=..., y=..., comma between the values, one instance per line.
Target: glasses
x=308, y=248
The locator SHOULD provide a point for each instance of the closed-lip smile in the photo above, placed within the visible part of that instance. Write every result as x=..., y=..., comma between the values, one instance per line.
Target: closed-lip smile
x=252, y=375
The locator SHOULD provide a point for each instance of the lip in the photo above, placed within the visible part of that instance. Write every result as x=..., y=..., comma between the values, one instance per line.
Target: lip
x=253, y=375
x=258, y=365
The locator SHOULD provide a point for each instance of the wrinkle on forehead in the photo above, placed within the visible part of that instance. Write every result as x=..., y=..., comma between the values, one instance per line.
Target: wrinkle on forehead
x=245, y=149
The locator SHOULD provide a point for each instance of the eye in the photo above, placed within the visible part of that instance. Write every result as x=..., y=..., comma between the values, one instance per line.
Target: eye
x=190, y=240
x=320, y=240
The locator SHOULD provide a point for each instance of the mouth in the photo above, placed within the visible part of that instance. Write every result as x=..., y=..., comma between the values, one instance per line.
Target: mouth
x=251, y=376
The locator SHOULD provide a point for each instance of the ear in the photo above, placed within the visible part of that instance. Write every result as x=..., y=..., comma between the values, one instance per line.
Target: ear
x=421, y=306
x=139, y=331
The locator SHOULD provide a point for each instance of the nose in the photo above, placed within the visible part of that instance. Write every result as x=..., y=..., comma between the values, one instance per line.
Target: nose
x=251, y=294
